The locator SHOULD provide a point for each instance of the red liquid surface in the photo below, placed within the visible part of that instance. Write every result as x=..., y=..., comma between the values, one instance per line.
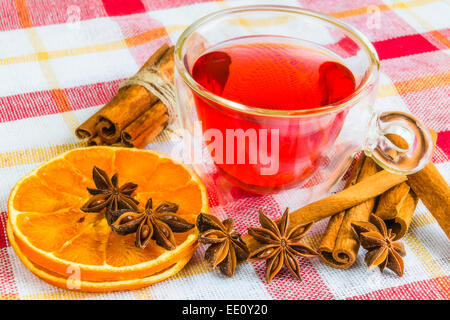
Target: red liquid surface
x=281, y=76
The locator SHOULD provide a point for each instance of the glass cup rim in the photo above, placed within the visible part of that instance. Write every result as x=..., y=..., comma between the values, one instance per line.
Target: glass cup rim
x=361, y=91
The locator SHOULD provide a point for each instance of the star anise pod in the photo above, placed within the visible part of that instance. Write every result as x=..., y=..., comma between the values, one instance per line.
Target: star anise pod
x=279, y=243
x=227, y=248
x=383, y=251
x=158, y=224
x=109, y=195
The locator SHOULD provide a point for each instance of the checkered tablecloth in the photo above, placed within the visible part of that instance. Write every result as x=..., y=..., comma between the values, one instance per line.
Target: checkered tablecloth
x=61, y=60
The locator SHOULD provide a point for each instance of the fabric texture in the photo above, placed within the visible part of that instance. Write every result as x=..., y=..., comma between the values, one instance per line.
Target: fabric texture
x=60, y=61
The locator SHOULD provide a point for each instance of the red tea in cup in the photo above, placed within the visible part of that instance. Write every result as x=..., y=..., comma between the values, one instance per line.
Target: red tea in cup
x=261, y=152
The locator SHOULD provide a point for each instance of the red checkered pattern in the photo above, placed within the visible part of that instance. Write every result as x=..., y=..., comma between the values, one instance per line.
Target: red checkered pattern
x=428, y=290
x=64, y=59
x=43, y=12
x=403, y=46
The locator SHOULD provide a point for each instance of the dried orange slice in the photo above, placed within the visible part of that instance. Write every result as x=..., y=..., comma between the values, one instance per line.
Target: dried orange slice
x=54, y=234
x=72, y=283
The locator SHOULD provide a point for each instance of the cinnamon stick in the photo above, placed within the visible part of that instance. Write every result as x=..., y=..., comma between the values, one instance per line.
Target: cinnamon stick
x=328, y=240
x=128, y=104
x=391, y=202
x=402, y=219
x=147, y=126
x=433, y=190
x=397, y=205
x=95, y=141
x=429, y=185
x=87, y=128
x=362, y=191
x=339, y=245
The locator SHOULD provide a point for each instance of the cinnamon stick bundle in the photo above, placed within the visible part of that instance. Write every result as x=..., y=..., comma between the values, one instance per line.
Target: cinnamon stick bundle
x=340, y=245
x=132, y=103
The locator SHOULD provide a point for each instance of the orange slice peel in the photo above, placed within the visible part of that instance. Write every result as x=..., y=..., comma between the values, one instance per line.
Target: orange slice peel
x=54, y=235
x=72, y=283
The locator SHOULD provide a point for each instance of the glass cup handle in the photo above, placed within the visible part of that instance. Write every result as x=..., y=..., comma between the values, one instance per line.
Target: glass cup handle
x=401, y=159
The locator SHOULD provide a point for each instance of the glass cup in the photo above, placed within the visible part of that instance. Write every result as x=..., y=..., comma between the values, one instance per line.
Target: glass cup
x=263, y=150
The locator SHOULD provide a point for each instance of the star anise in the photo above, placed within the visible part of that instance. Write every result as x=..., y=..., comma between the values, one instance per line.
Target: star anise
x=158, y=224
x=109, y=195
x=279, y=243
x=227, y=248
x=383, y=251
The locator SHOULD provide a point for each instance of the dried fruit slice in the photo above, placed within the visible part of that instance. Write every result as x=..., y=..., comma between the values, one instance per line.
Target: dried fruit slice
x=70, y=283
x=34, y=196
x=60, y=227
x=61, y=177
x=187, y=196
x=55, y=235
x=83, y=162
